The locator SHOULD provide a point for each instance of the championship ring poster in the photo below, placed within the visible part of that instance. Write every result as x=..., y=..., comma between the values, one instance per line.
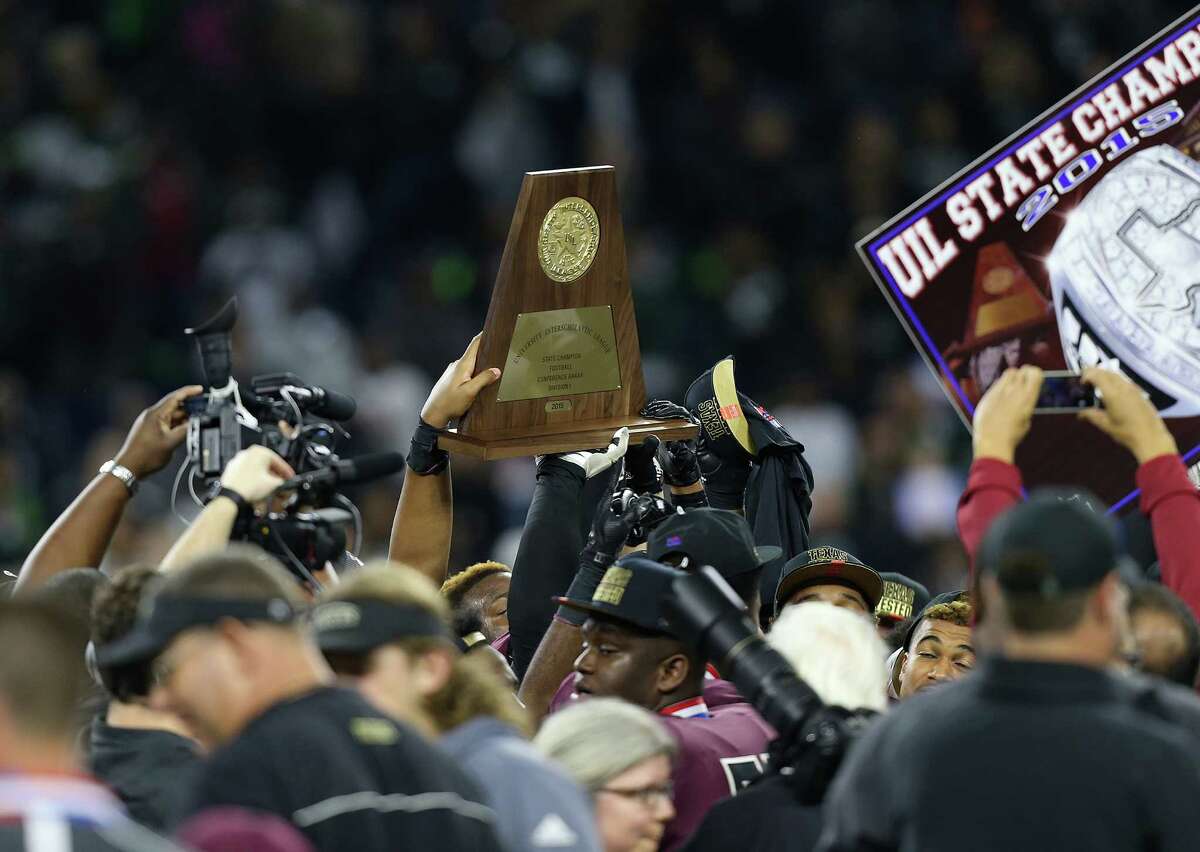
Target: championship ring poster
x=1073, y=243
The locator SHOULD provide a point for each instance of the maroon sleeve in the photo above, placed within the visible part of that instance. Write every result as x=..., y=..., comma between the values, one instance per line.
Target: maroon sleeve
x=565, y=694
x=992, y=487
x=1172, y=503
x=503, y=643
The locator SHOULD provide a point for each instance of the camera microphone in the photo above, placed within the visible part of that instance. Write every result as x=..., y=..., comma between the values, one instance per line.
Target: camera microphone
x=327, y=403
x=347, y=471
x=312, y=398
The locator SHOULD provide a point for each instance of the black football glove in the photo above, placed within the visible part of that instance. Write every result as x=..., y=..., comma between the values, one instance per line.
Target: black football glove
x=664, y=409
x=679, y=464
x=610, y=528
x=641, y=474
x=724, y=478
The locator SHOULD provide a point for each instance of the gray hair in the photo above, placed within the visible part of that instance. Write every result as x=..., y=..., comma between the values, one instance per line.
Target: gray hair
x=835, y=651
x=598, y=739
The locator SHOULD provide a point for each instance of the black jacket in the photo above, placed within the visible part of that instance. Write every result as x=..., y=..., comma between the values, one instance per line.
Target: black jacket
x=1025, y=756
x=348, y=778
x=782, y=809
x=1165, y=700
x=150, y=771
x=766, y=817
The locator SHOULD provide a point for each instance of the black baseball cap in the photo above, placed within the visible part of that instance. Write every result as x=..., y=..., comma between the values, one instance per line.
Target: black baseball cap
x=902, y=596
x=1052, y=543
x=163, y=617
x=359, y=625
x=828, y=565
x=630, y=592
x=943, y=598
x=715, y=537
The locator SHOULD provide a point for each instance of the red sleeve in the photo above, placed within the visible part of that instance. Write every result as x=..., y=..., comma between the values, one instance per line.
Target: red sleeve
x=992, y=487
x=1172, y=503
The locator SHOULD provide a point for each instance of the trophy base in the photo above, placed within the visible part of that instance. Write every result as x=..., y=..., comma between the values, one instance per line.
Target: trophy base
x=582, y=436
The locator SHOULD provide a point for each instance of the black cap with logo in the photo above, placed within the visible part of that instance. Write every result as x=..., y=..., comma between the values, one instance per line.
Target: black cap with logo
x=163, y=617
x=359, y=625
x=828, y=565
x=630, y=592
x=902, y=597
x=715, y=537
x=733, y=423
x=1052, y=543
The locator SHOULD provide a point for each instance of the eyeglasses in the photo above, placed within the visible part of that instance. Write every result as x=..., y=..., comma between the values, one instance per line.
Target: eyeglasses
x=646, y=795
x=163, y=667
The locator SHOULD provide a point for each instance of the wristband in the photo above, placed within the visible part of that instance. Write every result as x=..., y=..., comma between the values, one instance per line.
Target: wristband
x=690, y=500
x=243, y=506
x=424, y=456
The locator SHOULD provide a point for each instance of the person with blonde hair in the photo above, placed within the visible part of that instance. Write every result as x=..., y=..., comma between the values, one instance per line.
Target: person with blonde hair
x=387, y=628
x=620, y=754
x=478, y=598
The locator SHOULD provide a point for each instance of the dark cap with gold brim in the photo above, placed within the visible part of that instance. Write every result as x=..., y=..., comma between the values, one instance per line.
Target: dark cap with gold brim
x=733, y=423
x=630, y=592
x=902, y=597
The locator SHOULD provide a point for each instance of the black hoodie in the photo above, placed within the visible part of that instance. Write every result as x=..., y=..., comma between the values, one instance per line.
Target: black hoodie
x=149, y=770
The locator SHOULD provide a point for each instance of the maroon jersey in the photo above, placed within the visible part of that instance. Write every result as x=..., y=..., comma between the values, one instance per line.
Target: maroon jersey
x=722, y=748
x=503, y=644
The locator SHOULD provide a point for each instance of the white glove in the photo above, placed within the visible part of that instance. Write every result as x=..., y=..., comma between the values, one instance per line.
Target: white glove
x=597, y=461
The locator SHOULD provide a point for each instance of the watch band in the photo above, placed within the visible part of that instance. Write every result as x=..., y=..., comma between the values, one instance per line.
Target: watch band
x=122, y=473
x=242, y=504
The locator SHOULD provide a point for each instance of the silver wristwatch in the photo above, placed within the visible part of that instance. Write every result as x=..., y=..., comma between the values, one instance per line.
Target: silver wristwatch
x=122, y=473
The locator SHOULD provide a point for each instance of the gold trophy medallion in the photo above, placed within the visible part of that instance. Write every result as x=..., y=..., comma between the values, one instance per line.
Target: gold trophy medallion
x=568, y=239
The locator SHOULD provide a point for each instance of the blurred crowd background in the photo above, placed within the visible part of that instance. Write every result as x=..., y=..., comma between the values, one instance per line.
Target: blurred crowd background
x=349, y=169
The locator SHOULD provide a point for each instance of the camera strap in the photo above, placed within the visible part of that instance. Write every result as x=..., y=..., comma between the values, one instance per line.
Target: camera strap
x=231, y=389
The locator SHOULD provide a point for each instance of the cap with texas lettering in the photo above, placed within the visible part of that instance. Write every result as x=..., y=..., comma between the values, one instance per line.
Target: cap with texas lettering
x=902, y=597
x=828, y=565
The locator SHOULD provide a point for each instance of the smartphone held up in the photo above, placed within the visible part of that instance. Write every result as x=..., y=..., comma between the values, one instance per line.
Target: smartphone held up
x=1064, y=392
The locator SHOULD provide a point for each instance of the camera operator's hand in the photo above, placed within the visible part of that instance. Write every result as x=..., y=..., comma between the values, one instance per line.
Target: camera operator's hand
x=1003, y=416
x=155, y=434
x=457, y=388
x=1128, y=416
x=640, y=469
x=598, y=461
x=255, y=472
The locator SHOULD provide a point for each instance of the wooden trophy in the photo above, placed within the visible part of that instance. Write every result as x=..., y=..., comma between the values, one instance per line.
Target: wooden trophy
x=561, y=328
